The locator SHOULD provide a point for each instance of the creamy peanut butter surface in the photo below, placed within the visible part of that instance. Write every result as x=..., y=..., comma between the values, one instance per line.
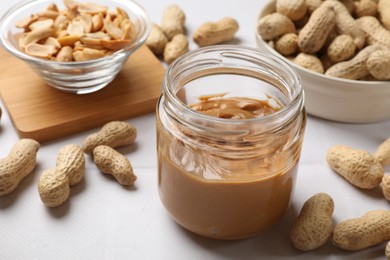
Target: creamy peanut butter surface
x=233, y=107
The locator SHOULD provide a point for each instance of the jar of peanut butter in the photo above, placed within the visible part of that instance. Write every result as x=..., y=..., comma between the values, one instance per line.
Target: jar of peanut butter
x=230, y=124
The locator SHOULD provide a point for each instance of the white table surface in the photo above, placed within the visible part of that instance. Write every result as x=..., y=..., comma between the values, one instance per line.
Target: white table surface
x=103, y=220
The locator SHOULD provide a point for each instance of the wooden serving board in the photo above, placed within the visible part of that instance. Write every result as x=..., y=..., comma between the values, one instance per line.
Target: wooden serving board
x=43, y=113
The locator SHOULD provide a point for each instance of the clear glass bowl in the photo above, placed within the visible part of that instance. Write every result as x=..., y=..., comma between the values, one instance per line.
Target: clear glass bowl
x=74, y=77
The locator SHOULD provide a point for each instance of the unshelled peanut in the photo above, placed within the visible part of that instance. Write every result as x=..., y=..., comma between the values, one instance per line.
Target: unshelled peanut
x=359, y=233
x=314, y=224
x=274, y=25
x=354, y=68
x=345, y=23
x=17, y=165
x=71, y=161
x=293, y=9
x=375, y=33
x=341, y=48
x=382, y=153
x=358, y=167
x=387, y=250
x=53, y=185
x=157, y=40
x=378, y=64
x=211, y=33
x=384, y=13
x=287, y=44
x=309, y=61
x=114, y=163
x=175, y=48
x=173, y=20
x=366, y=8
x=113, y=134
x=314, y=34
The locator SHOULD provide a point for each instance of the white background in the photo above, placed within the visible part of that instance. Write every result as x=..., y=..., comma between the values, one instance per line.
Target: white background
x=103, y=220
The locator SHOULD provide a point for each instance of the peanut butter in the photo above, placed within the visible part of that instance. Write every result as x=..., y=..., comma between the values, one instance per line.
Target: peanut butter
x=220, y=197
x=233, y=107
x=224, y=209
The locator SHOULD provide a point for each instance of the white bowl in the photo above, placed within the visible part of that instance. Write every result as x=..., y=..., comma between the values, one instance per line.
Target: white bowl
x=343, y=100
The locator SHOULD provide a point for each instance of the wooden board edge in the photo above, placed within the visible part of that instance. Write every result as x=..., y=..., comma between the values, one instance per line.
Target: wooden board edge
x=64, y=130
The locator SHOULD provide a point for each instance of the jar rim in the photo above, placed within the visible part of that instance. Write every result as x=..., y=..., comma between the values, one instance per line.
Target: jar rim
x=295, y=101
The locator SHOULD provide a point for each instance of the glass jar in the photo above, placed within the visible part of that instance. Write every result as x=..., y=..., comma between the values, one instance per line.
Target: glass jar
x=221, y=177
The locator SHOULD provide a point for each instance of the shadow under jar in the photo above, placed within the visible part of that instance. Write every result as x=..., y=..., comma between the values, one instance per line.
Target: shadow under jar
x=226, y=175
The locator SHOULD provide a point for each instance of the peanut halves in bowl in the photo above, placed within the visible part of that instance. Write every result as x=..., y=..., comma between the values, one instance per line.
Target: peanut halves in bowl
x=80, y=32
